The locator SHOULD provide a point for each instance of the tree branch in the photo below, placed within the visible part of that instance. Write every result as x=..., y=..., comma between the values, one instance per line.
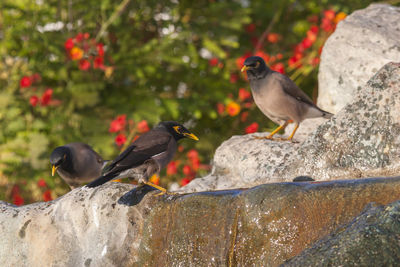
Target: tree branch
x=120, y=8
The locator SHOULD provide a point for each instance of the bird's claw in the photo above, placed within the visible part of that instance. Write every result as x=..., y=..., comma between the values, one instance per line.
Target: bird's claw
x=275, y=138
x=166, y=193
x=268, y=138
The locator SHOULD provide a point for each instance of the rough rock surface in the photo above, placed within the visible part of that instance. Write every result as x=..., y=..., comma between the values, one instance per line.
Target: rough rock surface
x=371, y=239
x=106, y=226
x=361, y=44
x=362, y=140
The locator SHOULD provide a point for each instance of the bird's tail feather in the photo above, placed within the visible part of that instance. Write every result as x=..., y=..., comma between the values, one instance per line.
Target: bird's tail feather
x=102, y=179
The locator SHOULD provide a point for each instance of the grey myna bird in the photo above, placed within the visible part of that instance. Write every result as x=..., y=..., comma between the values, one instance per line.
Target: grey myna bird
x=76, y=163
x=278, y=97
x=147, y=155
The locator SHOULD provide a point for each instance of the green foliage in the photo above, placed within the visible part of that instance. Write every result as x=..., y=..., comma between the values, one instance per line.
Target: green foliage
x=156, y=67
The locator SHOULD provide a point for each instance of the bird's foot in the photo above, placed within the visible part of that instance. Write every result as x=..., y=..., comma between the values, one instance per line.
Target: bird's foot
x=268, y=138
x=263, y=137
x=275, y=138
x=166, y=193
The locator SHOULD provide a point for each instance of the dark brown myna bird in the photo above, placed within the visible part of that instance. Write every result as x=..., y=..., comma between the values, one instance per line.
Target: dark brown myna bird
x=278, y=97
x=147, y=155
x=76, y=163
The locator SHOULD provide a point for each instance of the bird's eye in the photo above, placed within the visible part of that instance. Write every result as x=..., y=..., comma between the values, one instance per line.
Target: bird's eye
x=178, y=129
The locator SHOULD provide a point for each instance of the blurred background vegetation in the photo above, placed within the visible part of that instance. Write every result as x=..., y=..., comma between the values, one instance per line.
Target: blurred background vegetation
x=103, y=71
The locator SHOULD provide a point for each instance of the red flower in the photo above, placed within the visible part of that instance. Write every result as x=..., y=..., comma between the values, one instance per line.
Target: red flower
x=294, y=61
x=327, y=25
x=120, y=139
x=340, y=16
x=273, y=37
x=98, y=63
x=244, y=94
x=185, y=181
x=213, y=62
x=220, y=108
x=33, y=100
x=46, y=97
x=187, y=170
x=18, y=200
x=314, y=29
x=244, y=116
x=195, y=162
x=279, y=56
x=263, y=55
x=41, y=183
x=234, y=78
x=76, y=53
x=155, y=179
x=100, y=49
x=86, y=35
x=84, y=64
x=329, y=14
x=299, y=48
x=192, y=154
x=312, y=36
x=250, y=27
x=233, y=109
x=252, y=128
x=35, y=78
x=79, y=37
x=47, y=195
x=143, y=126
x=315, y=61
x=118, y=124
x=172, y=168
x=25, y=82
x=279, y=67
x=69, y=44
x=307, y=43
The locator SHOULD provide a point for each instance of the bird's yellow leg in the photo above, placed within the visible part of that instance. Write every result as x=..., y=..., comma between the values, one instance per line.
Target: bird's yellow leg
x=283, y=126
x=294, y=131
x=162, y=189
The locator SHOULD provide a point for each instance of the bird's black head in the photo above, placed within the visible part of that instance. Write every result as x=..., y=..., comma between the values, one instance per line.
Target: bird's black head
x=59, y=155
x=177, y=130
x=255, y=67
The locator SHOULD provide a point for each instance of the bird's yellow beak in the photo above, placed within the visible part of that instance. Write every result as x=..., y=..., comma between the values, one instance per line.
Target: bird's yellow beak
x=244, y=68
x=191, y=136
x=53, y=170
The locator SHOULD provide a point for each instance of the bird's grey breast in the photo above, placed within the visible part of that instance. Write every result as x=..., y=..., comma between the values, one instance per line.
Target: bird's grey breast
x=268, y=94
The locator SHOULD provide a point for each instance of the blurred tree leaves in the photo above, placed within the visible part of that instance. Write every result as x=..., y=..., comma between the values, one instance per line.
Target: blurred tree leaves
x=159, y=54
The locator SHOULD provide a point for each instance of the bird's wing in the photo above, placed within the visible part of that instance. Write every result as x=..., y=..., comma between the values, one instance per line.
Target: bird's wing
x=290, y=88
x=144, y=148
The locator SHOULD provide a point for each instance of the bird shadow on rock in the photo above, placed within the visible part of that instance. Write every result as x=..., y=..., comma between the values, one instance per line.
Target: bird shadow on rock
x=135, y=196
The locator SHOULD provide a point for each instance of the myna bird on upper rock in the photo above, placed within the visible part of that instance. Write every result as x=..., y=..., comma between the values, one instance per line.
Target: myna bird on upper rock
x=76, y=163
x=278, y=97
x=147, y=155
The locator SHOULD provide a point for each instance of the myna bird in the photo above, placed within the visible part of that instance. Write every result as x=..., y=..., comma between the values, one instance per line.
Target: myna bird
x=147, y=155
x=278, y=97
x=76, y=163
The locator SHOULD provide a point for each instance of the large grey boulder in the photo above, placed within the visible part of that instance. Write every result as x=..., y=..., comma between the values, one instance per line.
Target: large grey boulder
x=106, y=226
x=362, y=140
x=361, y=44
x=371, y=239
